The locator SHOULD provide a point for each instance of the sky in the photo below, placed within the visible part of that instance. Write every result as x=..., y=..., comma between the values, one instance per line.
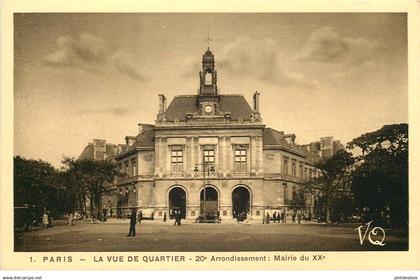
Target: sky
x=80, y=77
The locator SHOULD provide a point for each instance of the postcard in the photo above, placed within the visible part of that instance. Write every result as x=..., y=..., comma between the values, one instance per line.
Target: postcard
x=242, y=135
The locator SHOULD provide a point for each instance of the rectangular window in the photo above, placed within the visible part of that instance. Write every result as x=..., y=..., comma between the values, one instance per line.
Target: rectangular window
x=134, y=167
x=286, y=166
x=240, y=159
x=208, y=155
x=301, y=171
x=176, y=159
x=126, y=167
x=120, y=167
x=293, y=168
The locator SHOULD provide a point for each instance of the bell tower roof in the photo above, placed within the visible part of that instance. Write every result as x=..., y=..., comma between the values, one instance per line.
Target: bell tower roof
x=208, y=77
x=208, y=56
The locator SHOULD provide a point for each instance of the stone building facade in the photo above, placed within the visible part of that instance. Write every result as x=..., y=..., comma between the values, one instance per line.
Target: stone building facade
x=211, y=152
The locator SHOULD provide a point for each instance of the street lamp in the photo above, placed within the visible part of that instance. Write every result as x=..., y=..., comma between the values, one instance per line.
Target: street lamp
x=207, y=167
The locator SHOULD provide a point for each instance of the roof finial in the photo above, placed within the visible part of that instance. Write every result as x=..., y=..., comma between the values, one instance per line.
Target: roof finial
x=208, y=37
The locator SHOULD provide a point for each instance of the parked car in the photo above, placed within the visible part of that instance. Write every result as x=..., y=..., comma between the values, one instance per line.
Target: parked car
x=208, y=218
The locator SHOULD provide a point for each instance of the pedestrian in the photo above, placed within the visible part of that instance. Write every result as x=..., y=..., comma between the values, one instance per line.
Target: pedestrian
x=133, y=218
x=140, y=217
x=177, y=218
x=175, y=215
x=267, y=218
x=71, y=219
x=105, y=213
x=164, y=217
x=110, y=212
x=299, y=216
x=274, y=217
x=293, y=216
x=278, y=217
x=93, y=218
x=45, y=219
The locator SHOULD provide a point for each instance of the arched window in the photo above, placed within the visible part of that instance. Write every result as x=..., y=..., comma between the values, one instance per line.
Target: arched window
x=208, y=78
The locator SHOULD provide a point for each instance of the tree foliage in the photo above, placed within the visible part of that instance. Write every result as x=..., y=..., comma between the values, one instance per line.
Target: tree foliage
x=91, y=178
x=34, y=183
x=334, y=183
x=38, y=183
x=380, y=179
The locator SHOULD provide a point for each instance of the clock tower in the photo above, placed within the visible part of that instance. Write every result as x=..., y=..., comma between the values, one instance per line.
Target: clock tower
x=208, y=98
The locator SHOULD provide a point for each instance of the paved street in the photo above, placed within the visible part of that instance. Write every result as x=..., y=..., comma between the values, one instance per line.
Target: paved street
x=159, y=236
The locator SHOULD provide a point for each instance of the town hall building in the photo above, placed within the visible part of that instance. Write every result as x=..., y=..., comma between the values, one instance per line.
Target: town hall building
x=211, y=153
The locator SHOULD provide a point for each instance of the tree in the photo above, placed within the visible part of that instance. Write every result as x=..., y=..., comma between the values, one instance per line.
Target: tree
x=33, y=183
x=334, y=182
x=91, y=179
x=380, y=182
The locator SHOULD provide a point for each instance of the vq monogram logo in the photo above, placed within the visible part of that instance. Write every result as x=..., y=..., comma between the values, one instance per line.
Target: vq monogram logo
x=374, y=232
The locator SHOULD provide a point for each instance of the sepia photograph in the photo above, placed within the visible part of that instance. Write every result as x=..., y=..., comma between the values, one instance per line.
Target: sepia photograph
x=210, y=132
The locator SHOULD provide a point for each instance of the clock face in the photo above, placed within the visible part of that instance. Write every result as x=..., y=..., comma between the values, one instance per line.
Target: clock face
x=208, y=109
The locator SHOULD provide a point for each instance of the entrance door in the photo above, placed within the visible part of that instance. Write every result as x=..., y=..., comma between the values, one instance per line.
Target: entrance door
x=211, y=205
x=241, y=203
x=177, y=202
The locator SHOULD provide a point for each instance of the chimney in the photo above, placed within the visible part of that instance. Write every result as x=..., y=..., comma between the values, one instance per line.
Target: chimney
x=256, y=101
x=162, y=104
x=141, y=128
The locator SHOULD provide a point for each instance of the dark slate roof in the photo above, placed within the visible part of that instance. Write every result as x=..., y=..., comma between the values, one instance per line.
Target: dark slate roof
x=313, y=157
x=235, y=104
x=273, y=137
x=87, y=152
x=337, y=146
x=145, y=139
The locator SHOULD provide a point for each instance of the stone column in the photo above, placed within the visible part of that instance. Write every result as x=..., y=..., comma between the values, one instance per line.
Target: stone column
x=222, y=157
x=192, y=152
x=229, y=156
x=253, y=154
x=157, y=155
x=260, y=156
x=166, y=157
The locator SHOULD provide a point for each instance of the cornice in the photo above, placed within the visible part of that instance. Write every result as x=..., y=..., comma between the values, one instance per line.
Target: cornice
x=210, y=127
x=285, y=148
x=133, y=151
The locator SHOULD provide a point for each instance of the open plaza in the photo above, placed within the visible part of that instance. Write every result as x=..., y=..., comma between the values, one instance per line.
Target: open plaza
x=157, y=236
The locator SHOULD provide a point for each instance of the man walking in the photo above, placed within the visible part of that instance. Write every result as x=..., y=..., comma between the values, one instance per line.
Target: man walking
x=133, y=220
x=274, y=217
x=177, y=218
x=175, y=215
